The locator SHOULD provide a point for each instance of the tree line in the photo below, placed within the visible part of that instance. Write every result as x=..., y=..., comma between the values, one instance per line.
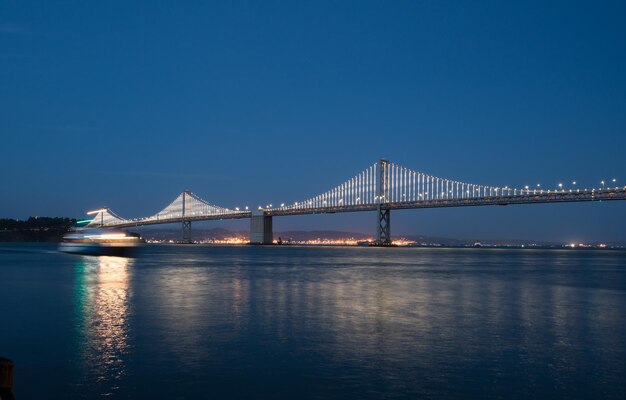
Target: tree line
x=34, y=229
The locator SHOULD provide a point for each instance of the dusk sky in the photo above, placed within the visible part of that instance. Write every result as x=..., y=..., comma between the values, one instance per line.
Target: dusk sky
x=125, y=104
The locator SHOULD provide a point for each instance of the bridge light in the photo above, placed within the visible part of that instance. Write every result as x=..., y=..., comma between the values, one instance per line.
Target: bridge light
x=574, y=182
x=614, y=180
x=246, y=207
x=560, y=185
x=526, y=187
x=96, y=211
x=237, y=208
x=282, y=204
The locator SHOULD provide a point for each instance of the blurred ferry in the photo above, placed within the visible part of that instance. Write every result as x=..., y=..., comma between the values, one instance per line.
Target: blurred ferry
x=98, y=241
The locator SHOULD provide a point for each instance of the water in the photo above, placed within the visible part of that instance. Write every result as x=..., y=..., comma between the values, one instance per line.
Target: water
x=194, y=322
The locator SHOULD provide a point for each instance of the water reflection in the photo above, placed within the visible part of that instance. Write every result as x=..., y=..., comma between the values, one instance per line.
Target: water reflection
x=404, y=322
x=183, y=306
x=102, y=308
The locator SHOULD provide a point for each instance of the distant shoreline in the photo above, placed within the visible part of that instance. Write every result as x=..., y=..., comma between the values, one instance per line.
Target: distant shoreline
x=443, y=247
x=52, y=229
x=34, y=229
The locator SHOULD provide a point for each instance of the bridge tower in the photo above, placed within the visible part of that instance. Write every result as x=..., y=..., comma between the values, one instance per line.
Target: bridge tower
x=102, y=217
x=186, y=222
x=383, y=214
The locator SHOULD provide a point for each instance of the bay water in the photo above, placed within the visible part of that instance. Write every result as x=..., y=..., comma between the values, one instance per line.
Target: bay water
x=283, y=322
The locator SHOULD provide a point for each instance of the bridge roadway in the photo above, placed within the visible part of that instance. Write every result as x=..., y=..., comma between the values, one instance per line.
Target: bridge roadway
x=552, y=197
x=562, y=196
x=381, y=187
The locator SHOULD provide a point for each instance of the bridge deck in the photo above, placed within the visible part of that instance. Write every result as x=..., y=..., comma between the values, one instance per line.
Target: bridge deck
x=552, y=197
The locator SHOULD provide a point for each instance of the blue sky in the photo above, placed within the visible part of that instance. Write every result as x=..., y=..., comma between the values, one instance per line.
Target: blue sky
x=125, y=104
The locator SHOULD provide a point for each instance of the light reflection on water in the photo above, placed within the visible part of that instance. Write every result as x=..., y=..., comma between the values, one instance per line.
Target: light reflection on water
x=102, y=306
x=438, y=324
x=246, y=322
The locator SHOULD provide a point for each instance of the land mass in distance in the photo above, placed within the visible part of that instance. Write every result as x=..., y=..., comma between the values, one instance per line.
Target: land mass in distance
x=51, y=229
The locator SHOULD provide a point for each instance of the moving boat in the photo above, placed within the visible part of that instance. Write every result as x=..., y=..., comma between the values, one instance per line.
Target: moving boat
x=98, y=241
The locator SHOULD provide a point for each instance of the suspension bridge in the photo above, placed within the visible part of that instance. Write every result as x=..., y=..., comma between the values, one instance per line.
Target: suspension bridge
x=381, y=187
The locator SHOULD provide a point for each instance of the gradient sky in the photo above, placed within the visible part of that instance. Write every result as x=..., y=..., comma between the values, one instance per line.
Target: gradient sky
x=125, y=104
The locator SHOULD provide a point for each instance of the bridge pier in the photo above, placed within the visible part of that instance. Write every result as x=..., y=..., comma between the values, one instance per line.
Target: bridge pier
x=186, y=232
x=261, y=228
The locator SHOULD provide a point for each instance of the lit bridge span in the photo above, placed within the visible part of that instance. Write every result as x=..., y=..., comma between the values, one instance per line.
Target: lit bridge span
x=381, y=187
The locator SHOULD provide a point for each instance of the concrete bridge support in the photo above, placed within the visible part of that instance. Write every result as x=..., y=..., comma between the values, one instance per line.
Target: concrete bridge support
x=261, y=229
